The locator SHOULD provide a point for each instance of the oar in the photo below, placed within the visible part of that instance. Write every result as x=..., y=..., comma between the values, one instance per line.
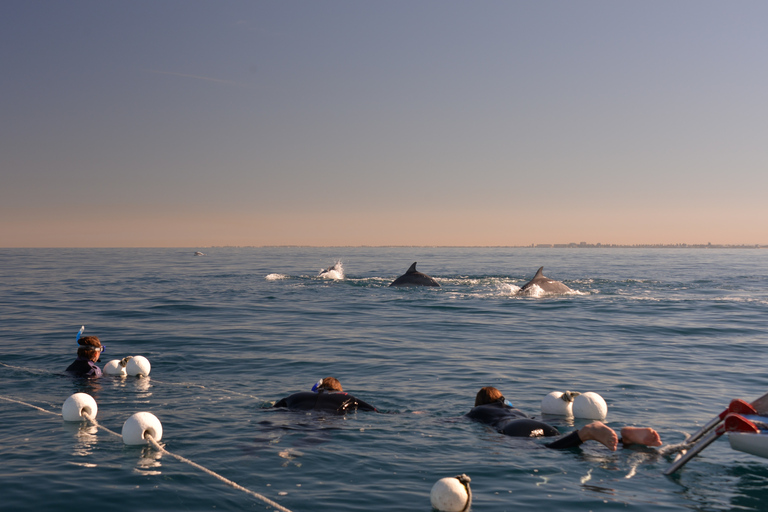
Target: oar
x=733, y=423
x=736, y=406
x=759, y=406
x=738, y=423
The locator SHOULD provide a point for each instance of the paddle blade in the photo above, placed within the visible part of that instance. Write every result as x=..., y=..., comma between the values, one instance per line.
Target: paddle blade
x=738, y=423
x=739, y=406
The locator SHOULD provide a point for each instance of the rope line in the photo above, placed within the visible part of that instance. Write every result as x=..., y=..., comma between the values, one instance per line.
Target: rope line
x=216, y=475
x=29, y=370
x=96, y=424
x=28, y=405
x=159, y=448
x=674, y=448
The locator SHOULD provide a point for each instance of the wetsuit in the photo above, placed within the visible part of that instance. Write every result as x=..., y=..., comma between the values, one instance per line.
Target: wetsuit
x=337, y=403
x=83, y=367
x=514, y=422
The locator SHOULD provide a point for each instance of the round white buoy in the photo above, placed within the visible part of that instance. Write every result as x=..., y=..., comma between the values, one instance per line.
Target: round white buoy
x=114, y=368
x=590, y=405
x=138, y=366
x=140, y=424
x=555, y=403
x=76, y=405
x=451, y=494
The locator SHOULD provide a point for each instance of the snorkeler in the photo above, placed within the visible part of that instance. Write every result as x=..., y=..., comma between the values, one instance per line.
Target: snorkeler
x=328, y=396
x=88, y=353
x=492, y=409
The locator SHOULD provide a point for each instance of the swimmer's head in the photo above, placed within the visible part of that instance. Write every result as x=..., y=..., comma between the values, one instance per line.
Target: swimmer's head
x=488, y=395
x=330, y=384
x=89, y=347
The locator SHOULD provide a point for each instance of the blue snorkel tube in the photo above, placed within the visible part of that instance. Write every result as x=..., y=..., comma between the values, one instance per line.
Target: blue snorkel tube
x=317, y=385
x=79, y=333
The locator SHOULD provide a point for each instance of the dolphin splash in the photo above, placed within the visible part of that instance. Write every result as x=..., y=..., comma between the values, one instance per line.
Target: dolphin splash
x=335, y=271
x=546, y=284
x=413, y=277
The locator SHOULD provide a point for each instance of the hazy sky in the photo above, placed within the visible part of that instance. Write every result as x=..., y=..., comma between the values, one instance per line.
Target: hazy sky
x=198, y=123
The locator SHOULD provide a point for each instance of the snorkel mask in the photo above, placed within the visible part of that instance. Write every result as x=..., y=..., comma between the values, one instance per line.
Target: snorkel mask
x=505, y=402
x=100, y=349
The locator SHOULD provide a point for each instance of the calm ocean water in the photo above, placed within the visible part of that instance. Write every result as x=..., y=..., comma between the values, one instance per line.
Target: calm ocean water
x=667, y=337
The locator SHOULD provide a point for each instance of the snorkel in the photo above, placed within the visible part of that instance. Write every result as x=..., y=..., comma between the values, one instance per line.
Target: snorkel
x=100, y=348
x=317, y=385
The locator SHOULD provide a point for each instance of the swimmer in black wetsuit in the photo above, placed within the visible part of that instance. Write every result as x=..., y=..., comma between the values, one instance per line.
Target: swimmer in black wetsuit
x=326, y=396
x=491, y=409
x=88, y=353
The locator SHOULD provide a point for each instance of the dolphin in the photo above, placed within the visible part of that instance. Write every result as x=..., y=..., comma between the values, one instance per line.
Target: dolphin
x=546, y=284
x=335, y=271
x=413, y=277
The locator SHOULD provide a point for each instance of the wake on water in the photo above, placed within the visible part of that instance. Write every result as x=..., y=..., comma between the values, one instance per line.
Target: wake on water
x=336, y=272
x=537, y=291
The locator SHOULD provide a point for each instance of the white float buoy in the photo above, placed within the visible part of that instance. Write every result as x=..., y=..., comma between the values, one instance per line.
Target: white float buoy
x=76, y=405
x=114, y=368
x=138, y=366
x=590, y=405
x=140, y=424
x=451, y=494
x=557, y=403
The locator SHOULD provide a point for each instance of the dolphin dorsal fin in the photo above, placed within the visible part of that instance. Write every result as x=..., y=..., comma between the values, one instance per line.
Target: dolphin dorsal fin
x=539, y=273
x=412, y=268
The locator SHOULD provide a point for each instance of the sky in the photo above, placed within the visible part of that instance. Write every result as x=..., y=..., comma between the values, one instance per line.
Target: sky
x=186, y=123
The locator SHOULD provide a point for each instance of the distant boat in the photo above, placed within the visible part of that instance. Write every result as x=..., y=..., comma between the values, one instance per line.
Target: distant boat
x=198, y=253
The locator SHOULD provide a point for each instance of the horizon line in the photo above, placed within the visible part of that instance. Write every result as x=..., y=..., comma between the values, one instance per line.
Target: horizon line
x=571, y=245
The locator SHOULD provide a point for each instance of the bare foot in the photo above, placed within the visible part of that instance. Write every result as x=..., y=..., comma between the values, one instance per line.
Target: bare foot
x=600, y=432
x=640, y=435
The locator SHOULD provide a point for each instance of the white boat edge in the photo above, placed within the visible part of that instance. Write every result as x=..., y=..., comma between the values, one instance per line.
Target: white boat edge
x=754, y=444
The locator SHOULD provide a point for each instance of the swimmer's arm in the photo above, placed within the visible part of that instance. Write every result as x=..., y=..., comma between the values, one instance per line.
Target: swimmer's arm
x=364, y=406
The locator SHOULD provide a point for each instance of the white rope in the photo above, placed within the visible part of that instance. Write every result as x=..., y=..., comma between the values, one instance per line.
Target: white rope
x=159, y=448
x=674, y=448
x=206, y=470
x=28, y=405
x=97, y=425
x=30, y=370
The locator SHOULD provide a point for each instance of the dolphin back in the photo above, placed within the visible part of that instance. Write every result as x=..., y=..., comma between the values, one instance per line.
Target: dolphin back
x=413, y=277
x=545, y=283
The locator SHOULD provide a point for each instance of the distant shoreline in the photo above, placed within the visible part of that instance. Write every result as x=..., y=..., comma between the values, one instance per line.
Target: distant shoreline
x=584, y=245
